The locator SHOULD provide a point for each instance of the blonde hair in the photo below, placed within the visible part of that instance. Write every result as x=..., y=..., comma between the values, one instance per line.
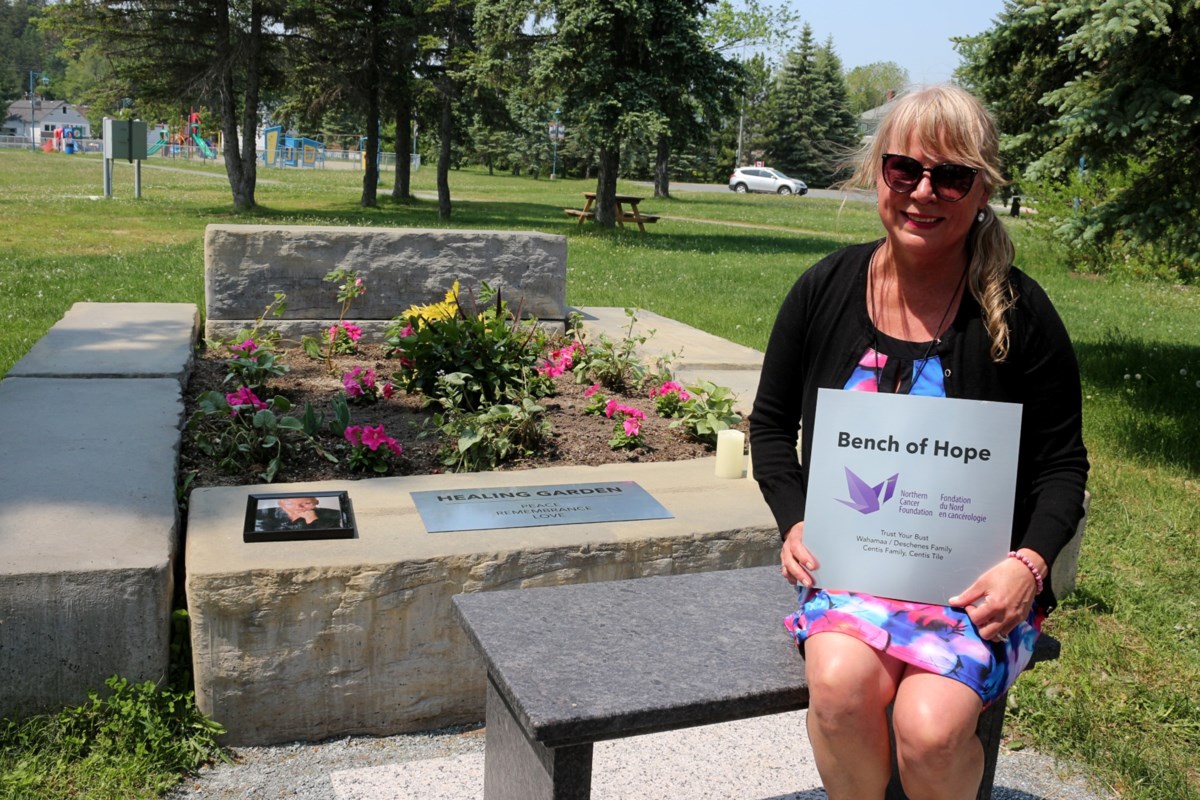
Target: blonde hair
x=950, y=121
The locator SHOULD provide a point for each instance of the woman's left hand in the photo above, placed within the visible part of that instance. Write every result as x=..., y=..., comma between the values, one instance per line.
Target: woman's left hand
x=1001, y=598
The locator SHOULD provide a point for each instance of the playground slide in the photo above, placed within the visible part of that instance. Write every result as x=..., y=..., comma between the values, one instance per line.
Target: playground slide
x=154, y=148
x=205, y=150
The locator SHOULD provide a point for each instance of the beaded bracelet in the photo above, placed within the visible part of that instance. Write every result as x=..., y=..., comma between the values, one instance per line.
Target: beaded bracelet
x=1037, y=575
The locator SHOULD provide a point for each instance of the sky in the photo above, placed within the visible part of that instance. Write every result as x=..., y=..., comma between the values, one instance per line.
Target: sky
x=914, y=35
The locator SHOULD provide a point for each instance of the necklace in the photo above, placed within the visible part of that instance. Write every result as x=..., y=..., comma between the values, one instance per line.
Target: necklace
x=937, y=333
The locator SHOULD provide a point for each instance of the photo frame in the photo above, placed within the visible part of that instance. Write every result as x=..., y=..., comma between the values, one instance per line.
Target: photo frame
x=298, y=517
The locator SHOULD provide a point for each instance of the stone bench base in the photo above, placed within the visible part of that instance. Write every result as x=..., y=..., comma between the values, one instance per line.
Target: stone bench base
x=245, y=265
x=310, y=640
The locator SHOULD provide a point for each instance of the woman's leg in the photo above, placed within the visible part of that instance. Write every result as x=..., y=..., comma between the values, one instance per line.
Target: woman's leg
x=849, y=687
x=934, y=720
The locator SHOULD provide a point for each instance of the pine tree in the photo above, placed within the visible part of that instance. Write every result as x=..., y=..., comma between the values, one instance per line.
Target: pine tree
x=813, y=129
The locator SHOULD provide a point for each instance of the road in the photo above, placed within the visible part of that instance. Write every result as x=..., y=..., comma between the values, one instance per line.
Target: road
x=825, y=194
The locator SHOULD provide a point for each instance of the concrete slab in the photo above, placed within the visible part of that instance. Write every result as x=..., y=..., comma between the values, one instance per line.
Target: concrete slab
x=87, y=535
x=694, y=349
x=307, y=640
x=115, y=340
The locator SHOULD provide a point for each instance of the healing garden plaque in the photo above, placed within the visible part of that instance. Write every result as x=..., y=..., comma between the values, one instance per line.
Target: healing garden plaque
x=530, y=506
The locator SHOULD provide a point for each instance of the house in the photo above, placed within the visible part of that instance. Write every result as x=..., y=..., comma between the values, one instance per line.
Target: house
x=868, y=121
x=47, y=116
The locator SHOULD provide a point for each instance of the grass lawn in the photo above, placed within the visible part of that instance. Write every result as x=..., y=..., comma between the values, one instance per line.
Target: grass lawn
x=1121, y=699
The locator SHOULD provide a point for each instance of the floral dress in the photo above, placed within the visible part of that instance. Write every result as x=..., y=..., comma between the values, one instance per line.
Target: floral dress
x=937, y=638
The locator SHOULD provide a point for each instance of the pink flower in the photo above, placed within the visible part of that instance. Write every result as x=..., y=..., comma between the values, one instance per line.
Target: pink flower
x=610, y=407
x=353, y=434
x=351, y=385
x=372, y=437
x=244, y=397
x=591, y=390
x=408, y=330
x=667, y=388
x=388, y=390
x=551, y=370
x=359, y=283
x=632, y=425
x=352, y=331
x=358, y=382
x=247, y=347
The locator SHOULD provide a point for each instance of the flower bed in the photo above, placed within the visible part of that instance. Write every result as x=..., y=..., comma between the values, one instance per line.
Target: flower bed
x=331, y=407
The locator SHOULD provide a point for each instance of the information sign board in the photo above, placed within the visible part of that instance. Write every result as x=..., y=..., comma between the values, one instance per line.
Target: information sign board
x=909, y=497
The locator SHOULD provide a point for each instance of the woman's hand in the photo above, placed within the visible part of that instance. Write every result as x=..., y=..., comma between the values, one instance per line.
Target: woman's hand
x=1001, y=598
x=797, y=562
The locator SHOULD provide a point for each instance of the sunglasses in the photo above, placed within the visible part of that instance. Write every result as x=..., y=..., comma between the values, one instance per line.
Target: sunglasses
x=951, y=182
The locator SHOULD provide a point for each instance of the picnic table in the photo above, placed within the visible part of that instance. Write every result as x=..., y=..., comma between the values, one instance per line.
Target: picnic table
x=620, y=214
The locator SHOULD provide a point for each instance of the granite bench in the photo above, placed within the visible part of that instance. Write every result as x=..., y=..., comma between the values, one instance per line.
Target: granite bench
x=573, y=665
x=245, y=265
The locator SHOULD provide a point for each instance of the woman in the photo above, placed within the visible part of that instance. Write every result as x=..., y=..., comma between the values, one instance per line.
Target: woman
x=935, y=308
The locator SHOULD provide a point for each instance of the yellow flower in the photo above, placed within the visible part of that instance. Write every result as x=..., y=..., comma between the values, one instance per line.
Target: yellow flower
x=447, y=309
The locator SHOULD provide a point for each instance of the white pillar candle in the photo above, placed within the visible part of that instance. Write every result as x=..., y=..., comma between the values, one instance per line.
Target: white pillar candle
x=730, y=453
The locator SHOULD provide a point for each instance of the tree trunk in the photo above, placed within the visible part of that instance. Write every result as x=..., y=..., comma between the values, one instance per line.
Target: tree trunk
x=662, y=178
x=241, y=158
x=445, y=129
x=370, y=190
x=402, y=189
x=606, y=186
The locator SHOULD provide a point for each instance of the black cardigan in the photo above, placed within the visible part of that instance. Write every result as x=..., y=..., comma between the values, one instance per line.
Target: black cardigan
x=822, y=331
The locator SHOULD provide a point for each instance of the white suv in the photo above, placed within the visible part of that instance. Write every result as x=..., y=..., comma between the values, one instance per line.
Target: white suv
x=765, y=179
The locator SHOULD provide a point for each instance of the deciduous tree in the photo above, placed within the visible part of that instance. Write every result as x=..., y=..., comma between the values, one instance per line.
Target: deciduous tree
x=868, y=86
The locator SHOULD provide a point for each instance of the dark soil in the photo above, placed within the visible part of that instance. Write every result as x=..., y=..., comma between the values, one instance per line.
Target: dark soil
x=576, y=438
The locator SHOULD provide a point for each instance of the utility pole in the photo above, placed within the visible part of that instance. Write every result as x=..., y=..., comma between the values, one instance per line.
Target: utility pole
x=33, y=108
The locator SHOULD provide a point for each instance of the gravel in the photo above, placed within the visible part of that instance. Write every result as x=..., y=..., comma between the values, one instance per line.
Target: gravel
x=766, y=758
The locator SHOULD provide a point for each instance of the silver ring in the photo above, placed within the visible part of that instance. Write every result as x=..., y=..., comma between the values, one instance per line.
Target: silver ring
x=1002, y=637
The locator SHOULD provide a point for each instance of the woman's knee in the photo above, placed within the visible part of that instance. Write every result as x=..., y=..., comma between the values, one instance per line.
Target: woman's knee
x=846, y=679
x=935, y=726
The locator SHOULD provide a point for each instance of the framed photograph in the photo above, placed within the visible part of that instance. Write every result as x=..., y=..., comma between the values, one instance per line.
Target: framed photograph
x=298, y=517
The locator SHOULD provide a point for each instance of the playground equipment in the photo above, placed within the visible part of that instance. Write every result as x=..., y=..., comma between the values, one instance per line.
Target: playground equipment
x=280, y=150
x=184, y=141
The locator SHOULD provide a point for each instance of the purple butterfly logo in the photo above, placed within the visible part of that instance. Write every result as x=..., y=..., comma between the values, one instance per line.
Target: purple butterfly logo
x=867, y=499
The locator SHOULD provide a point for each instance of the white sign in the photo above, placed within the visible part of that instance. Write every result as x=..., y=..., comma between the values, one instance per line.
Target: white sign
x=910, y=497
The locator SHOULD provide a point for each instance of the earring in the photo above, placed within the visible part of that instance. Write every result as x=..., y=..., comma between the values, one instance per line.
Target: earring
x=980, y=217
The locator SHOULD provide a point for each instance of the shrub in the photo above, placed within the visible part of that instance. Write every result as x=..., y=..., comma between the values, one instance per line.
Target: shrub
x=708, y=410
x=615, y=365
x=136, y=742
x=492, y=347
x=481, y=440
x=246, y=434
x=253, y=365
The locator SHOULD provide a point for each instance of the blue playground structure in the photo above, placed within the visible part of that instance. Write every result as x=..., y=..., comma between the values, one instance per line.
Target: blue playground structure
x=291, y=151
